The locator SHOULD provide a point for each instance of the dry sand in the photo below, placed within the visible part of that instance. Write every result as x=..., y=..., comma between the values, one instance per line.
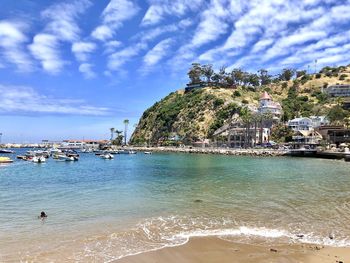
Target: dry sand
x=213, y=249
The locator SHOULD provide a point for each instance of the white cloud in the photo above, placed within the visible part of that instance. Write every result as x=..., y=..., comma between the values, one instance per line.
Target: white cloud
x=25, y=100
x=283, y=46
x=102, y=33
x=45, y=48
x=61, y=27
x=263, y=22
x=87, y=71
x=117, y=59
x=153, y=15
x=12, y=41
x=112, y=45
x=212, y=25
x=262, y=44
x=151, y=34
x=113, y=17
x=82, y=50
x=62, y=19
x=157, y=53
x=158, y=10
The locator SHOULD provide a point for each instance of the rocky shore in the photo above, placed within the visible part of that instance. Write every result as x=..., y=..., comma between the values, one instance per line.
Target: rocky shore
x=223, y=151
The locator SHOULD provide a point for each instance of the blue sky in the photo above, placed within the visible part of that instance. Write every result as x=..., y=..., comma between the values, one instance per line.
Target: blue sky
x=73, y=69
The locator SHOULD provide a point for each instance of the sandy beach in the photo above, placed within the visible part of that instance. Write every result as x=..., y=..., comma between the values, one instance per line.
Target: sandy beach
x=212, y=249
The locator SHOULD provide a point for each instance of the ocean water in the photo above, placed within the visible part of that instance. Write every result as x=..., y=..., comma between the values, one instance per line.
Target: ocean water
x=101, y=210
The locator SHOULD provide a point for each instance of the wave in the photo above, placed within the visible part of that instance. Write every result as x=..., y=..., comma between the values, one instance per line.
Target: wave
x=157, y=233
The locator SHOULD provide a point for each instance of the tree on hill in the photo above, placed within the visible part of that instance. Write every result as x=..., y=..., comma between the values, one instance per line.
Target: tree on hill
x=208, y=71
x=222, y=74
x=195, y=73
x=287, y=74
x=337, y=114
x=237, y=76
x=253, y=79
x=300, y=73
x=265, y=78
x=281, y=133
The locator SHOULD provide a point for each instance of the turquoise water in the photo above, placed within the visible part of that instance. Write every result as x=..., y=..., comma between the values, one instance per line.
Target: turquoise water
x=101, y=210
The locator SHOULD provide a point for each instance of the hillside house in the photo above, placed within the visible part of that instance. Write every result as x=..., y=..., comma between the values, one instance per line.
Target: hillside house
x=300, y=124
x=267, y=105
x=338, y=91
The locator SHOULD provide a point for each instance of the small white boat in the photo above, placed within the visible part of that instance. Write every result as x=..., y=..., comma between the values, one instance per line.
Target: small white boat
x=107, y=156
x=147, y=152
x=63, y=157
x=38, y=159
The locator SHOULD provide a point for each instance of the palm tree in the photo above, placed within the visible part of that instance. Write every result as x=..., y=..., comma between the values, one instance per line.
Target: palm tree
x=255, y=119
x=126, y=123
x=112, y=133
x=246, y=117
x=119, y=138
x=118, y=132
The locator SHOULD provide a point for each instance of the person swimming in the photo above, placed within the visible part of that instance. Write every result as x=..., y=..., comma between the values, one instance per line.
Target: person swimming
x=42, y=215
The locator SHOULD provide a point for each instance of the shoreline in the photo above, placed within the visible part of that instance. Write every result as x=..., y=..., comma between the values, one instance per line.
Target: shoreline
x=252, y=152
x=220, y=151
x=214, y=249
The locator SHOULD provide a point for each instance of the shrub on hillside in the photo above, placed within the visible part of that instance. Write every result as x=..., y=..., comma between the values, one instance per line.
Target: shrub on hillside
x=217, y=103
x=343, y=77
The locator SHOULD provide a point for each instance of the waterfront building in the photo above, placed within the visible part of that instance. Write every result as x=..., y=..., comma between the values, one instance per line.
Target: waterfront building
x=267, y=105
x=335, y=134
x=338, y=90
x=236, y=135
x=301, y=124
x=307, y=137
x=79, y=144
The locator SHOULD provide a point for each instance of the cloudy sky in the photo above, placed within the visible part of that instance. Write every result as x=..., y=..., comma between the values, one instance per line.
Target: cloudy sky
x=75, y=68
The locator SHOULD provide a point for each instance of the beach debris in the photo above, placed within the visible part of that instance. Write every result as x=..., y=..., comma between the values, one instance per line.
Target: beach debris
x=42, y=215
x=300, y=235
x=273, y=250
x=198, y=201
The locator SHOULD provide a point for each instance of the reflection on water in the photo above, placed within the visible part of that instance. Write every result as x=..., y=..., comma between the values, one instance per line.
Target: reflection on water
x=105, y=209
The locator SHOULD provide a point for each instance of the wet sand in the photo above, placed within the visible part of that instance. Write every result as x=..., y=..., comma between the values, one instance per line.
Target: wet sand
x=213, y=249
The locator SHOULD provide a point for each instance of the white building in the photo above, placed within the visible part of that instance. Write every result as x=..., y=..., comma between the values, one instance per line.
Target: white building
x=338, y=90
x=300, y=124
x=80, y=144
x=318, y=121
x=267, y=105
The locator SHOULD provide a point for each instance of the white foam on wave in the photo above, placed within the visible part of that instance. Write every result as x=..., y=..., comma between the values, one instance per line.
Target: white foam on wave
x=161, y=232
x=243, y=230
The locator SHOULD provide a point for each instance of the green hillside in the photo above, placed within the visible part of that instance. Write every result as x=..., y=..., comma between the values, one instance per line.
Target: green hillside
x=196, y=114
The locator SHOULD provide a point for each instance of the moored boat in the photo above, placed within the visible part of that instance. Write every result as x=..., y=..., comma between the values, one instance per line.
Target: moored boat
x=5, y=160
x=107, y=156
x=6, y=151
x=38, y=159
x=64, y=157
